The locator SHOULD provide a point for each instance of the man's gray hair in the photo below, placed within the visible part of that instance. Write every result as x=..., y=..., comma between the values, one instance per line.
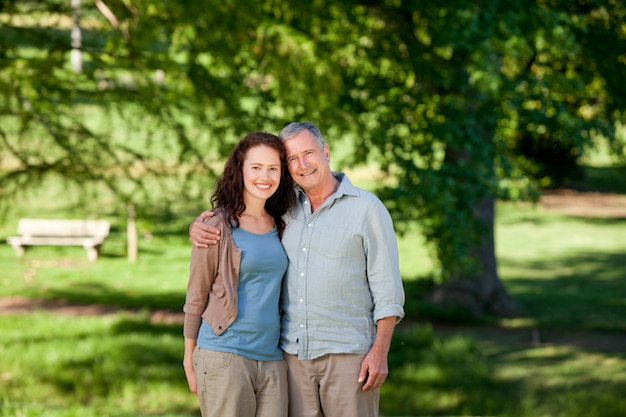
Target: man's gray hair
x=292, y=129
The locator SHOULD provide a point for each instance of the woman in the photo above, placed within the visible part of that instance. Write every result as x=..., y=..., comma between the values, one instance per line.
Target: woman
x=232, y=359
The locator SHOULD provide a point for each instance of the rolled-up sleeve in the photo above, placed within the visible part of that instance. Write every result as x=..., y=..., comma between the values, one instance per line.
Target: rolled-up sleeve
x=383, y=270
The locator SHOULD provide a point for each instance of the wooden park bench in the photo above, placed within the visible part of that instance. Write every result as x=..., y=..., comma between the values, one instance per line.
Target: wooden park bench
x=89, y=234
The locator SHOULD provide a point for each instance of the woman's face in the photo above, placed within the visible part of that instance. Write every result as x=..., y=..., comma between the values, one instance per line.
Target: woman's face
x=261, y=172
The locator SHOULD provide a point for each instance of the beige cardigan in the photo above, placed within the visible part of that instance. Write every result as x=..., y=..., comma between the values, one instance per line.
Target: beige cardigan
x=213, y=281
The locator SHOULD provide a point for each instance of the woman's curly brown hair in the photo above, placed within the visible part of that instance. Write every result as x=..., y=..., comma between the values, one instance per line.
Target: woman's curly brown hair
x=228, y=193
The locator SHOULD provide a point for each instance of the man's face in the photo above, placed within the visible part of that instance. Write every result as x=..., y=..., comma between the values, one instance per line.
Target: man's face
x=308, y=165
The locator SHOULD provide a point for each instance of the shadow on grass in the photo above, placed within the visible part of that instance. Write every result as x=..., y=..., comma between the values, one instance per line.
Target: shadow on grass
x=133, y=356
x=433, y=376
x=602, y=179
x=88, y=293
x=530, y=217
x=456, y=375
x=558, y=365
x=587, y=291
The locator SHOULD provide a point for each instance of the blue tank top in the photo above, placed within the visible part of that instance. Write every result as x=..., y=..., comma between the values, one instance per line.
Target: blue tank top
x=255, y=333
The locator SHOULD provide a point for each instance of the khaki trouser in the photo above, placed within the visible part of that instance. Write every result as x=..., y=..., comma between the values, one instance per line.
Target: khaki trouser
x=230, y=385
x=328, y=387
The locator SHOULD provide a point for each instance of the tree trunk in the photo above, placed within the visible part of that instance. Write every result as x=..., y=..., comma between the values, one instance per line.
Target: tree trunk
x=76, y=56
x=484, y=293
x=132, y=241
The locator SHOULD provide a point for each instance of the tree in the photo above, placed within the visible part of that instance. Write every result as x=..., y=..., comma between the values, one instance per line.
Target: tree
x=442, y=94
x=172, y=87
x=48, y=127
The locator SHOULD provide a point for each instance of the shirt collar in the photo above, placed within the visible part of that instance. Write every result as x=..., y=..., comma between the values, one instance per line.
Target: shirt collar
x=345, y=186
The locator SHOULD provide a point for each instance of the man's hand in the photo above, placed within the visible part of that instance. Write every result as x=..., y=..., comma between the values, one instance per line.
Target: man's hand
x=374, y=369
x=202, y=235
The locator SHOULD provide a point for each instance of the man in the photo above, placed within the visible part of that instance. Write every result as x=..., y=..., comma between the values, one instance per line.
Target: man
x=342, y=294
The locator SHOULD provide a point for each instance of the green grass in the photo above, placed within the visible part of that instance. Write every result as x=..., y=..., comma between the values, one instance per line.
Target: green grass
x=565, y=270
x=565, y=358
x=82, y=366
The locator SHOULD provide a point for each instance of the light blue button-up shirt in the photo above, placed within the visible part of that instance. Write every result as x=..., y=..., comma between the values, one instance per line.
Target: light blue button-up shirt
x=343, y=274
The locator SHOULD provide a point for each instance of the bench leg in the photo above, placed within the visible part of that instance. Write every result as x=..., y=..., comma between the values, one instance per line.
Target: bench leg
x=92, y=253
x=20, y=250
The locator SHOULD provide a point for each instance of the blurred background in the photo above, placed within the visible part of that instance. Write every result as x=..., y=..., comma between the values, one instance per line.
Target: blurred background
x=493, y=132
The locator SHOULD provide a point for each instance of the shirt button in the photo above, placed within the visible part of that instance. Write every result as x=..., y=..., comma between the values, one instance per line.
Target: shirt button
x=303, y=249
x=301, y=274
x=301, y=300
x=302, y=325
x=310, y=225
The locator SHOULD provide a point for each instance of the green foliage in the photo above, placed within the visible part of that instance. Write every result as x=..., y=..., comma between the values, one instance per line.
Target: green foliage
x=457, y=102
x=448, y=94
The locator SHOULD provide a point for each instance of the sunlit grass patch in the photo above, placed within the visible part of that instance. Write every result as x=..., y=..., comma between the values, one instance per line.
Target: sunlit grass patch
x=116, y=362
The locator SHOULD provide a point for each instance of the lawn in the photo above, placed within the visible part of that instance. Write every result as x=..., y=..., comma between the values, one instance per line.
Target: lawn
x=118, y=354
